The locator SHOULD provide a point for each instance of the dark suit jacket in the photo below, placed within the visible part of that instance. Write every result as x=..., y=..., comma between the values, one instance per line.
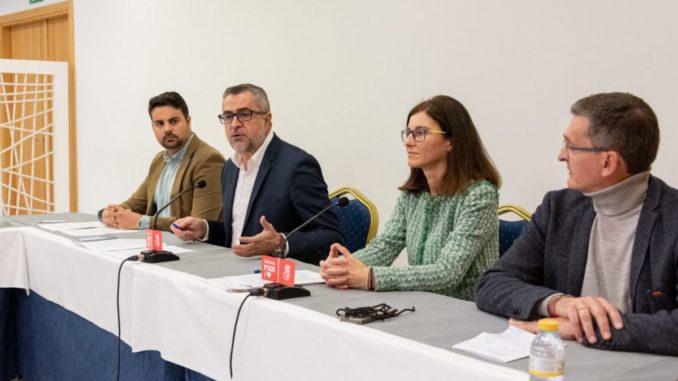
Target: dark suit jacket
x=551, y=256
x=289, y=189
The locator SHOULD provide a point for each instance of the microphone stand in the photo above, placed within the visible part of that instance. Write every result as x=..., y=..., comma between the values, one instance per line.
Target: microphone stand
x=157, y=256
x=278, y=291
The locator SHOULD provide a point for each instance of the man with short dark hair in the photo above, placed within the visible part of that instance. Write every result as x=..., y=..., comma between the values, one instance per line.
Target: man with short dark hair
x=270, y=186
x=601, y=256
x=185, y=161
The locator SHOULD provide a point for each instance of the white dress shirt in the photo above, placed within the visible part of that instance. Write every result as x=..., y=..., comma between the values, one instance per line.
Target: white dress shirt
x=243, y=190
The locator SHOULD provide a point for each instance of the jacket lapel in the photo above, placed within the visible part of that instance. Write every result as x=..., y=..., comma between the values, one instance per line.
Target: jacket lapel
x=580, y=249
x=229, y=182
x=641, y=243
x=266, y=165
x=154, y=175
x=179, y=179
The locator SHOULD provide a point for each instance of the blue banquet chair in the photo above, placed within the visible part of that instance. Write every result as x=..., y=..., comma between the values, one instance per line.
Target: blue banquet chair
x=510, y=230
x=359, y=219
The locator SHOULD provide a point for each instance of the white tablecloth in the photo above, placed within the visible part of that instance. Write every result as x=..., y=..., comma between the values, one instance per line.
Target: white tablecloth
x=190, y=322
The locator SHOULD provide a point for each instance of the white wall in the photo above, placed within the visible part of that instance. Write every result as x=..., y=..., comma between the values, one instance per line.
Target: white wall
x=13, y=6
x=342, y=75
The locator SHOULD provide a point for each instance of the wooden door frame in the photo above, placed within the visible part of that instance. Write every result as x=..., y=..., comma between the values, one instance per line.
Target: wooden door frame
x=44, y=13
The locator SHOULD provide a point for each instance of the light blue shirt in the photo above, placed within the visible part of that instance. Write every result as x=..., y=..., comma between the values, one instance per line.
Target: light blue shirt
x=163, y=190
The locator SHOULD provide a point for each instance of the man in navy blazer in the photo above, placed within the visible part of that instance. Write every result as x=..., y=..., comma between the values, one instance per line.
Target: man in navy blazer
x=269, y=186
x=601, y=256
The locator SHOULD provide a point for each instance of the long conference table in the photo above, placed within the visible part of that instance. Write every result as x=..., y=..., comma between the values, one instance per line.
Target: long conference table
x=58, y=321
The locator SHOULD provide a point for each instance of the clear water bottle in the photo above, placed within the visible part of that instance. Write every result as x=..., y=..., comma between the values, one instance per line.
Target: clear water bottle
x=547, y=353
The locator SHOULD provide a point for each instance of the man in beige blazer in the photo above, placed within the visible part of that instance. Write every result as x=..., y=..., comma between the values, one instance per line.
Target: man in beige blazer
x=185, y=161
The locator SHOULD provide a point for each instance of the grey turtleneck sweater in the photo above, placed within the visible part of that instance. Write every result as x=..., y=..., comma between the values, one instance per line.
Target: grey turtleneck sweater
x=608, y=265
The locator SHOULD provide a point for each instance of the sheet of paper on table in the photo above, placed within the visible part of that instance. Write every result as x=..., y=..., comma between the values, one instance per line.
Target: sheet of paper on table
x=83, y=229
x=123, y=248
x=238, y=282
x=510, y=345
x=63, y=226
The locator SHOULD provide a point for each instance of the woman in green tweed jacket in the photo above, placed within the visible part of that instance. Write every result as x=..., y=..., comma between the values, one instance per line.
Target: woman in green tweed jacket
x=446, y=215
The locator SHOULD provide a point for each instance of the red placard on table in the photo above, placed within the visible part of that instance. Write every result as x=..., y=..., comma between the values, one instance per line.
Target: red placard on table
x=153, y=239
x=278, y=270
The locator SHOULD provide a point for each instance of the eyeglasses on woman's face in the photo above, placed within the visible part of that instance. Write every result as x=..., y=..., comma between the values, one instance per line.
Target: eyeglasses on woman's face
x=419, y=134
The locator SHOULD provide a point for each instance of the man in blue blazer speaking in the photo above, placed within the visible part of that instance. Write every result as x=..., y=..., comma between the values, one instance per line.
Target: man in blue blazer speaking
x=602, y=255
x=269, y=188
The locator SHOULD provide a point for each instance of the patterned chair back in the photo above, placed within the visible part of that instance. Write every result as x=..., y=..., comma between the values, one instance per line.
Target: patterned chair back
x=509, y=231
x=359, y=219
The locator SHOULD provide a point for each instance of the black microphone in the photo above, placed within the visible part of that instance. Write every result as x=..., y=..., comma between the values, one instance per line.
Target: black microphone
x=278, y=291
x=280, y=251
x=200, y=184
x=156, y=256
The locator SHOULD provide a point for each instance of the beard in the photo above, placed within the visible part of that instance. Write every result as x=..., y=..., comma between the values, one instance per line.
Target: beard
x=243, y=144
x=171, y=142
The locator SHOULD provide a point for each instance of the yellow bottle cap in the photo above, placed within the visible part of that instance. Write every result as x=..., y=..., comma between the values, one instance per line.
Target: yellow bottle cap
x=548, y=325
